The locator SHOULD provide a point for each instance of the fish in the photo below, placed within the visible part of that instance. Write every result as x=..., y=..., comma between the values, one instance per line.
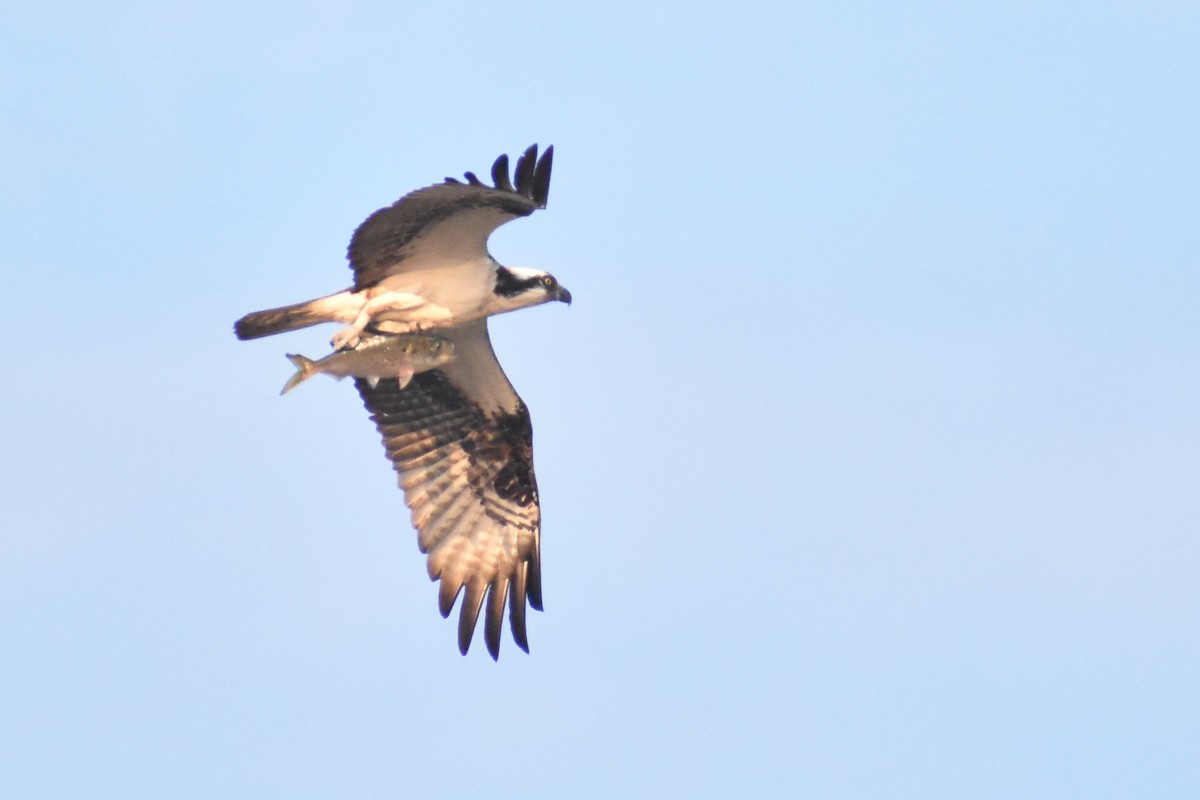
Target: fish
x=397, y=356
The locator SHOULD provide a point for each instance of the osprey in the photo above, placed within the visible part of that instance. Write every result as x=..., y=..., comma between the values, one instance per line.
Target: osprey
x=458, y=435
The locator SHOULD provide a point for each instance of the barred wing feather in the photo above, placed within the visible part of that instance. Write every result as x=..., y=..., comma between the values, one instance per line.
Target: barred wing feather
x=465, y=463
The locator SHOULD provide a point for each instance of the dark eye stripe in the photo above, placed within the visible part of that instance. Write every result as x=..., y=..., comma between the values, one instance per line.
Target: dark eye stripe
x=509, y=285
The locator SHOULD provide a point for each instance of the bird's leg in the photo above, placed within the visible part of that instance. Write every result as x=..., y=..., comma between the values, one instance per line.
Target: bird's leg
x=389, y=301
x=432, y=318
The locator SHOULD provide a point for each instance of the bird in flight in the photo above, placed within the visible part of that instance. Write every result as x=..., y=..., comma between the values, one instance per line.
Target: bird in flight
x=457, y=434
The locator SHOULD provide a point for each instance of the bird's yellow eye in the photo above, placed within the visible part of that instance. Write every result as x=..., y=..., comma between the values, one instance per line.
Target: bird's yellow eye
x=548, y=282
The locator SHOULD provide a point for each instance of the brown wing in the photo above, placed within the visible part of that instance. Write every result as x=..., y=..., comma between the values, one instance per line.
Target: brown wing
x=447, y=219
x=463, y=447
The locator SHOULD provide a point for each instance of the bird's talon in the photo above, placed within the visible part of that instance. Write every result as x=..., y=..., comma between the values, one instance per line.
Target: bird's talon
x=344, y=340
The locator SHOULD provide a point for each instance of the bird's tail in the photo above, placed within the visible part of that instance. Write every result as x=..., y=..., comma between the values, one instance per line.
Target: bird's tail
x=277, y=320
x=305, y=369
x=341, y=306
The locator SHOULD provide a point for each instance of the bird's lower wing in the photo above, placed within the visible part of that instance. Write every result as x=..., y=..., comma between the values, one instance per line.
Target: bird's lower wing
x=468, y=478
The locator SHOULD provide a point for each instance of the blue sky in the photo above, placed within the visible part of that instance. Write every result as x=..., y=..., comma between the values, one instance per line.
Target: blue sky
x=868, y=450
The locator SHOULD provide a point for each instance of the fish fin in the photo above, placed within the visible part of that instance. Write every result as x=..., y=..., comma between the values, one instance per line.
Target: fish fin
x=305, y=367
x=404, y=374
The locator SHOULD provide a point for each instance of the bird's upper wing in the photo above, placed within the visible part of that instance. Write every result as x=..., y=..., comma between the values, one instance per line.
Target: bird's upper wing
x=447, y=220
x=461, y=441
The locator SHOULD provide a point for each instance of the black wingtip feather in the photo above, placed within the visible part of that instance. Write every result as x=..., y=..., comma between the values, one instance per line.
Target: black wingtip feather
x=541, y=177
x=535, y=585
x=500, y=174
x=516, y=608
x=525, y=169
x=468, y=615
x=472, y=179
x=494, y=621
x=447, y=594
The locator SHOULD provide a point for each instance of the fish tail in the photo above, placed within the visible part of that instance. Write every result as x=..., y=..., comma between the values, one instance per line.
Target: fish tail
x=305, y=369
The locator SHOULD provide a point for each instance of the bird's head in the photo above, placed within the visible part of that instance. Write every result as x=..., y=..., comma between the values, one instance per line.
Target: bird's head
x=520, y=287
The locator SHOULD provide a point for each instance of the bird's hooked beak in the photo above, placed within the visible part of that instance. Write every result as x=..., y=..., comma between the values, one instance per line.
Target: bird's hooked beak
x=562, y=295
